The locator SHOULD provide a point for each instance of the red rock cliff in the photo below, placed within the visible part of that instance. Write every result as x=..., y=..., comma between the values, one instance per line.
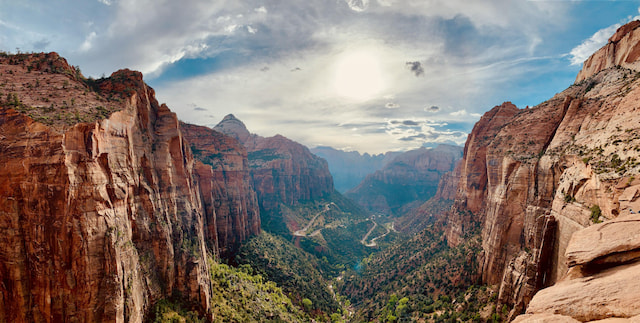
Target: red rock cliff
x=532, y=177
x=101, y=211
x=283, y=170
x=232, y=212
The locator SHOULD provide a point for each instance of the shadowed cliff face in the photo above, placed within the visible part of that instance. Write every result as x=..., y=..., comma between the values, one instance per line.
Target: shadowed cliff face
x=532, y=177
x=102, y=213
x=283, y=170
x=407, y=181
x=231, y=203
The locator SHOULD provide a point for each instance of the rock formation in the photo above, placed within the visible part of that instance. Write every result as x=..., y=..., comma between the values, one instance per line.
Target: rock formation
x=623, y=49
x=603, y=277
x=349, y=168
x=407, y=181
x=101, y=211
x=283, y=171
x=222, y=168
x=533, y=177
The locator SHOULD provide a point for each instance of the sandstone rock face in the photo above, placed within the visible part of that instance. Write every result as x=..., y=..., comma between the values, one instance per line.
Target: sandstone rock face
x=407, y=181
x=623, y=49
x=283, y=171
x=613, y=292
x=611, y=242
x=101, y=212
x=222, y=167
x=532, y=177
x=602, y=280
x=544, y=318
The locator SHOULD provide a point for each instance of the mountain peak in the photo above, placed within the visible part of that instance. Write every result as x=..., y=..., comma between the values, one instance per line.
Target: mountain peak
x=232, y=126
x=623, y=49
x=624, y=30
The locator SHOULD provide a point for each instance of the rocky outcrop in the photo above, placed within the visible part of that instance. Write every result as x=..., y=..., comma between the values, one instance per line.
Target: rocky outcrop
x=283, y=171
x=407, y=181
x=101, y=212
x=222, y=168
x=623, y=49
x=349, y=168
x=533, y=177
x=602, y=281
x=615, y=241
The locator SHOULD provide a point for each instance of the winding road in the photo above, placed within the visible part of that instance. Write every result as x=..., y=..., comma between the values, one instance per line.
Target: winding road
x=303, y=232
x=373, y=241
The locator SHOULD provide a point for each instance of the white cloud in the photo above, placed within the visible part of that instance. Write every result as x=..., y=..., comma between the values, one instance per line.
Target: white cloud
x=105, y=2
x=392, y=105
x=88, y=42
x=252, y=30
x=358, y=5
x=261, y=10
x=459, y=113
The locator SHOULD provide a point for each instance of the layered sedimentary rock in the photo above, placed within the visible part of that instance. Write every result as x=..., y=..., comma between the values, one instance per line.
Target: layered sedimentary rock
x=222, y=168
x=602, y=281
x=283, y=171
x=532, y=177
x=622, y=49
x=101, y=212
x=407, y=181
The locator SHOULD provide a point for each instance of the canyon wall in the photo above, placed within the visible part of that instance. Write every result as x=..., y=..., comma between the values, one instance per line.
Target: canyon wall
x=223, y=173
x=102, y=211
x=533, y=177
x=283, y=171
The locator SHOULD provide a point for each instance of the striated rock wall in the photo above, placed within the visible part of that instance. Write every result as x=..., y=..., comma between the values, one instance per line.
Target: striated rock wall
x=232, y=212
x=602, y=281
x=533, y=177
x=102, y=213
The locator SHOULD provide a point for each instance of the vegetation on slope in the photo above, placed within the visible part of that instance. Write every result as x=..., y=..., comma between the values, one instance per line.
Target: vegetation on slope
x=238, y=295
x=420, y=278
x=298, y=273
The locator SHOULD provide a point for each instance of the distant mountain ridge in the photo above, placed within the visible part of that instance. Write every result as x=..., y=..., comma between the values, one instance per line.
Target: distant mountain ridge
x=409, y=180
x=349, y=168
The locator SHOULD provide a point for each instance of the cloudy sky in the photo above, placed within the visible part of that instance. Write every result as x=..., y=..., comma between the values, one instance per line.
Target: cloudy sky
x=366, y=75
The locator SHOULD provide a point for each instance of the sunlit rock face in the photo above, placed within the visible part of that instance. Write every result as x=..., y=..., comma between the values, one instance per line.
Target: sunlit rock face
x=102, y=210
x=532, y=177
x=623, y=49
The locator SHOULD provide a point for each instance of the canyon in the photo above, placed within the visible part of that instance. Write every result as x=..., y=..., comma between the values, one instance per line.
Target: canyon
x=111, y=204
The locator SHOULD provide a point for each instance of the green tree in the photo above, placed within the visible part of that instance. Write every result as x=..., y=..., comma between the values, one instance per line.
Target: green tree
x=308, y=304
